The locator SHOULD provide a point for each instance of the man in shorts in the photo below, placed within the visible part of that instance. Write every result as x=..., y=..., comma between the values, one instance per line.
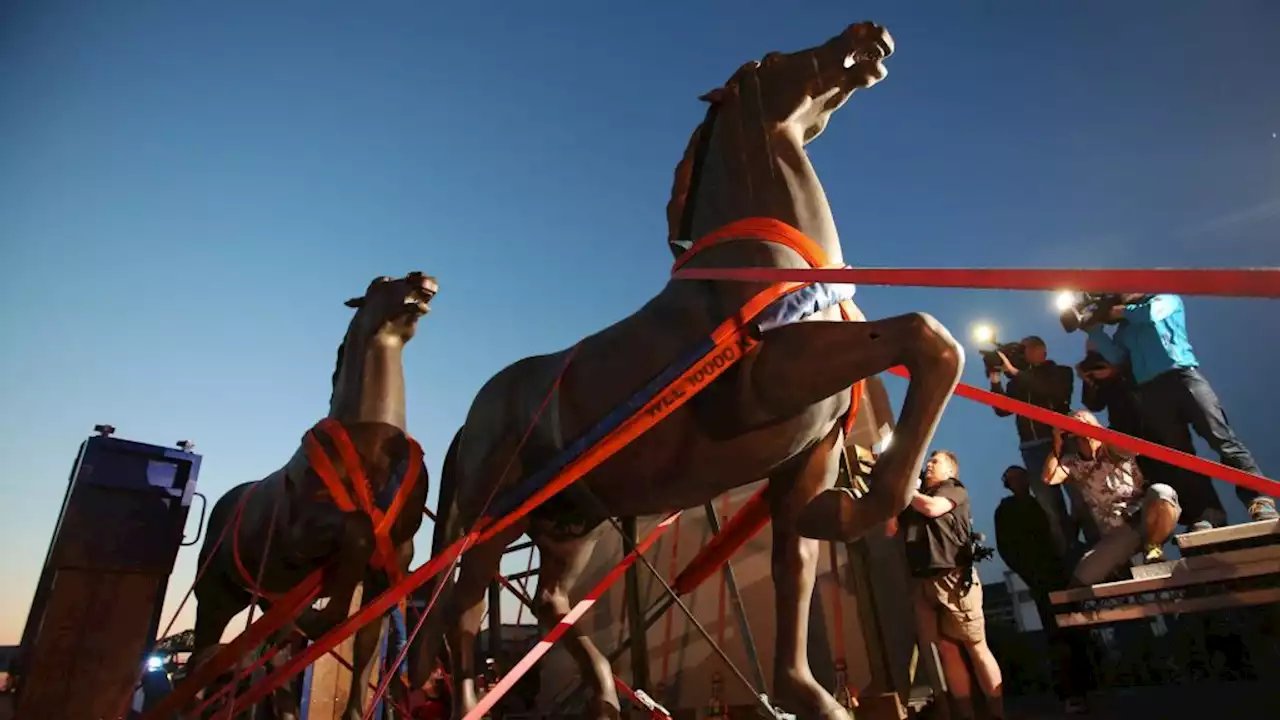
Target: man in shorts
x=945, y=591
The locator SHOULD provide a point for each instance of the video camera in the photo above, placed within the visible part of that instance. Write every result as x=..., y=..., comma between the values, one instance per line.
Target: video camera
x=1017, y=355
x=1084, y=308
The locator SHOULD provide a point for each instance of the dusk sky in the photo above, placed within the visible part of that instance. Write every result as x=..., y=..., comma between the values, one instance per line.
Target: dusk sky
x=189, y=191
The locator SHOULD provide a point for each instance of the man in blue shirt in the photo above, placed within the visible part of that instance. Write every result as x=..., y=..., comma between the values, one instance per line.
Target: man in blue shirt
x=1151, y=336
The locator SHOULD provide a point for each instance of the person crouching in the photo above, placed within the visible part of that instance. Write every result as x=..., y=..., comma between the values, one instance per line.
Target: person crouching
x=1130, y=515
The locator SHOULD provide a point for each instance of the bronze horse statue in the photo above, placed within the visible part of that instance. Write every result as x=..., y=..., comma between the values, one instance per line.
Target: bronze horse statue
x=776, y=415
x=272, y=533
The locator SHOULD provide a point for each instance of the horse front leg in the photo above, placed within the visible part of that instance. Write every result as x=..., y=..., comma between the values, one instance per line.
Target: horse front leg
x=805, y=363
x=560, y=565
x=794, y=566
x=364, y=658
x=355, y=547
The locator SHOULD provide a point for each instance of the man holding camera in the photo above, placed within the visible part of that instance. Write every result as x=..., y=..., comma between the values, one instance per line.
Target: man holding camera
x=1045, y=384
x=1151, y=335
x=945, y=591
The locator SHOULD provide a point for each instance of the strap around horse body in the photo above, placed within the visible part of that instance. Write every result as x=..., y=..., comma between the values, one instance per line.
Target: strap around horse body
x=773, y=230
x=384, y=557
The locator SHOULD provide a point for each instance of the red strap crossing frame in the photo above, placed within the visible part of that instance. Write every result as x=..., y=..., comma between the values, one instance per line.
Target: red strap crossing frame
x=1239, y=283
x=509, y=680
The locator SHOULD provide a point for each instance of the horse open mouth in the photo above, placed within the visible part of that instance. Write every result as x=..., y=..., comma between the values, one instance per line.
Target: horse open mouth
x=419, y=301
x=876, y=53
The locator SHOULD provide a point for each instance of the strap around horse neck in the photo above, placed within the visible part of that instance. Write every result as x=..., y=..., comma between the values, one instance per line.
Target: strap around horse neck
x=773, y=230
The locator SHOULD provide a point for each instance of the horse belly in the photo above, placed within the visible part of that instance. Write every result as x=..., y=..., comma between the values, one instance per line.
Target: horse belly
x=701, y=469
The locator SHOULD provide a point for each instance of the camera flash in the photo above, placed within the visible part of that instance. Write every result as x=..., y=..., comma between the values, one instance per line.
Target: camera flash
x=983, y=334
x=1064, y=300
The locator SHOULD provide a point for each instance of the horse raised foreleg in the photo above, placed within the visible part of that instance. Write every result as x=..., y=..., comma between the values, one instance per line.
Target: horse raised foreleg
x=355, y=548
x=795, y=561
x=804, y=363
x=560, y=565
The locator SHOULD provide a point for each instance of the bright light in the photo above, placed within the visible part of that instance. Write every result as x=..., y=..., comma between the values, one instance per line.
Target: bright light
x=984, y=334
x=1064, y=300
x=885, y=442
x=155, y=663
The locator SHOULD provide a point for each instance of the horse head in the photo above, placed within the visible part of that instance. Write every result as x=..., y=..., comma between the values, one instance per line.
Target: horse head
x=368, y=388
x=747, y=158
x=391, y=307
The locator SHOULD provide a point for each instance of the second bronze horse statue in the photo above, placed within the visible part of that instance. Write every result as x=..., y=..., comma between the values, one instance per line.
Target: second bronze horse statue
x=775, y=415
x=264, y=537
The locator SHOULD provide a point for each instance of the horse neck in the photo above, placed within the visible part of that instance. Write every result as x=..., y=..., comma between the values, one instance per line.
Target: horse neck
x=370, y=386
x=748, y=170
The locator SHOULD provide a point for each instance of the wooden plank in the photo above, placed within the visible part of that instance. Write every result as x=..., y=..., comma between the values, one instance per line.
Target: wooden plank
x=331, y=681
x=1197, y=570
x=1230, y=600
x=1232, y=533
x=92, y=637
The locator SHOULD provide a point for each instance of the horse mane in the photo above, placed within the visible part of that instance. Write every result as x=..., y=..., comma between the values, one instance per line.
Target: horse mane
x=681, y=187
x=337, y=369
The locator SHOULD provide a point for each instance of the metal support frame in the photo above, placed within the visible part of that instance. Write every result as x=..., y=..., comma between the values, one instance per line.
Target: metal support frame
x=661, y=607
x=735, y=598
x=634, y=611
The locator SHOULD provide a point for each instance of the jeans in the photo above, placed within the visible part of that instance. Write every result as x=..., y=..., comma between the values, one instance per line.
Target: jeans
x=1034, y=456
x=1175, y=402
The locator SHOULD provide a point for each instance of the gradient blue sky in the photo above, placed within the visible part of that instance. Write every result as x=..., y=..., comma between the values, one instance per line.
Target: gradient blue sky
x=188, y=192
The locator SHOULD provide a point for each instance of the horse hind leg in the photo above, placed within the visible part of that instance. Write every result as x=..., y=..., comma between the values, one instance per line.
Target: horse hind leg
x=218, y=601
x=834, y=355
x=794, y=568
x=560, y=565
x=465, y=609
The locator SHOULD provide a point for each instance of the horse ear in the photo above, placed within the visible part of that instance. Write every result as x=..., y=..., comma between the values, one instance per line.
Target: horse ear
x=714, y=97
x=354, y=302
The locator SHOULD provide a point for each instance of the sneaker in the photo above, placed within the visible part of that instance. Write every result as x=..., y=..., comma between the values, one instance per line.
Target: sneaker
x=1200, y=526
x=1263, y=508
x=1075, y=706
x=1154, y=554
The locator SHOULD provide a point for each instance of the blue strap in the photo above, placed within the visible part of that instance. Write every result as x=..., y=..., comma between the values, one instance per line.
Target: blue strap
x=789, y=308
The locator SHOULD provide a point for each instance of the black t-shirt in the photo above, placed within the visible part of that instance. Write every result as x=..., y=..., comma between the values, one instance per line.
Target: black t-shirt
x=935, y=545
x=1022, y=539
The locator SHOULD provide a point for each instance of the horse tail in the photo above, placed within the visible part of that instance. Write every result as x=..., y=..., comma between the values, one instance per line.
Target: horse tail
x=447, y=529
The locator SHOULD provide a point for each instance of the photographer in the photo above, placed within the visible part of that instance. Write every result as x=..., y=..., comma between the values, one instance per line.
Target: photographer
x=1045, y=384
x=1132, y=515
x=1151, y=335
x=945, y=591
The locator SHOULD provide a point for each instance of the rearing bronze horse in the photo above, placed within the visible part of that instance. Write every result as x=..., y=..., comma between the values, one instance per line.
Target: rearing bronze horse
x=776, y=414
x=295, y=517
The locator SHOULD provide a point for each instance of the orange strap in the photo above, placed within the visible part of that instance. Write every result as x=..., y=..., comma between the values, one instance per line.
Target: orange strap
x=775, y=231
x=384, y=555
x=837, y=611
x=250, y=582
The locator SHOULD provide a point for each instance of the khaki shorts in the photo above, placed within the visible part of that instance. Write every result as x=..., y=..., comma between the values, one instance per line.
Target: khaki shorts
x=941, y=604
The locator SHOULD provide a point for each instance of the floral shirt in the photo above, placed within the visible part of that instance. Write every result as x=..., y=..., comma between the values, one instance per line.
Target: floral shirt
x=1110, y=482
